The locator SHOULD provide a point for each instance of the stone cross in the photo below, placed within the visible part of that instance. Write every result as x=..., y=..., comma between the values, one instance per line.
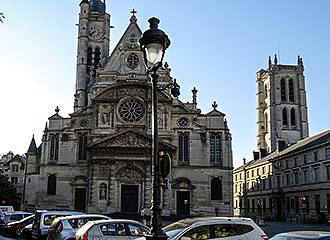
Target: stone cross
x=214, y=105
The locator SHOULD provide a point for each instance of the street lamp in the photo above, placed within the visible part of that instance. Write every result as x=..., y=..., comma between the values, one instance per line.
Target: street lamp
x=154, y=43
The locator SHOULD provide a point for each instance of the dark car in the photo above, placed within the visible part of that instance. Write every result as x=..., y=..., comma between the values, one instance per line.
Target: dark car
x=14, y=228
x=302, y=235
x=26, y=233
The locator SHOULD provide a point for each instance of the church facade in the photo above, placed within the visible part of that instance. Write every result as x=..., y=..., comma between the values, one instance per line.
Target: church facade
x=99, y=158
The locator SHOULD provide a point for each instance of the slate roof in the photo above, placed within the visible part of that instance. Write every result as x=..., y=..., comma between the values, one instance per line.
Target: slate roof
x=302, y=145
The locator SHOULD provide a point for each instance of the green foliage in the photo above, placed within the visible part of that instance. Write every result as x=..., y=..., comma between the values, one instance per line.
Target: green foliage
x=8, y=195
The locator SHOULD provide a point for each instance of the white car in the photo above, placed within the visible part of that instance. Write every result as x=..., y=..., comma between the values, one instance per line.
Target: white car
x=120, y=229
x=229, y=228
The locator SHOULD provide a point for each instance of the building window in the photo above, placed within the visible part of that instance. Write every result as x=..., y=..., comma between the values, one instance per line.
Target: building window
x=240, y=176
x=82, y=146
x=317, y=204
x=305, y=159
x=296, y=178
x=328, y=175
x=14, y=168
x=270, y=182
x=253, y=207
x=14, y=180
x=328, y=203
x=263, y=184
x=288, y=205
x=287, y=179
x=51, y=185
x=278, y=178
x=305, y=176
x=235, y=188
x=291, y=91
x=295, y=161
x=216, y=189
x=184, y=147
x=287, y=164
x=103, y=191
x=252, y=173
x=296, y=200
x=316, y=156
x=284, y=117
x=215, y=148
x=54, y=145
x=270, y=200
x=248, y=204
x=293, y=117
x=327, y=153
x=316, y=174
x=283, y=90
x=247, y=174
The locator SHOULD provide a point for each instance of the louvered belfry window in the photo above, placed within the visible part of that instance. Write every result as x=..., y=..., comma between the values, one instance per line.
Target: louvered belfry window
x=184, y=147
x=283, y=90
x=215, y=148
x=54, y=147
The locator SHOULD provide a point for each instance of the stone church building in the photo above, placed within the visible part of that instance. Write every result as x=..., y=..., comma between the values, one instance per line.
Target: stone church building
x=99, y=158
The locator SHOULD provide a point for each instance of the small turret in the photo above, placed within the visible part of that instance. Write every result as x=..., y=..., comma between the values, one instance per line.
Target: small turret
x=33, y=147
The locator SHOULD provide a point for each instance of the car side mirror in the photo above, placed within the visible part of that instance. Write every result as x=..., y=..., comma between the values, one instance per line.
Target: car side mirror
x=185, y=238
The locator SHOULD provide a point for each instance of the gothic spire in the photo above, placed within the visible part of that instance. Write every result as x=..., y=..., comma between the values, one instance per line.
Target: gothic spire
x=33, y=146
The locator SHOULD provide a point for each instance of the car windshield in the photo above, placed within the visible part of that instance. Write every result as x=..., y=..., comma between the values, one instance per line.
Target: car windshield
x=171, y=234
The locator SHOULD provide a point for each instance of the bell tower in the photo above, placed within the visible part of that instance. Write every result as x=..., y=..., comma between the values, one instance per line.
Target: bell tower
x=281, y=105
x=93, y=46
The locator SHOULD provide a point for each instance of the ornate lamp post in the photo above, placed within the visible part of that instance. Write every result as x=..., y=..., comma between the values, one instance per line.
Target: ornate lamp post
x=154, y=43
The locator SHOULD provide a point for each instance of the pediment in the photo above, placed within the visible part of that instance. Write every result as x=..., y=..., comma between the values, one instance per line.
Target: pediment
x=128, y=45
x=129, y=139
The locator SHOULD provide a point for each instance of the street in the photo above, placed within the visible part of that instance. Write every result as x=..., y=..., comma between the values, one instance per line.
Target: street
x=272, y=228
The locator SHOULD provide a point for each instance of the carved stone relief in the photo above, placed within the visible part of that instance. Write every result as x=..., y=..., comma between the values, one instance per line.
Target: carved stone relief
x=105, y=116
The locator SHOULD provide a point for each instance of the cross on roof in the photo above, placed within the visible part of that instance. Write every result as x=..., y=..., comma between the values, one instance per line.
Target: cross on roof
x=133, y=12
x=214, y=105
x=57, y=109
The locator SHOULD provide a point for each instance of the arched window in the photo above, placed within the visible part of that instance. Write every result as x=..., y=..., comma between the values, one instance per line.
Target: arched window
x=97, y=58
x=82, y=146
x=291, y=91
x=293, y=117
x=54, y=145
x=216, y=189
x=184, y=147
x=89, y=59
x=283, y=90
x=266, y=122
x=103, y=191
x=284, y=117
x=215, y=148
x=51, y=185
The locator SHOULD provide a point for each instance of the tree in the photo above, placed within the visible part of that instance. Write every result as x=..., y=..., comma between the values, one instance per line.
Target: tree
x=8, y=194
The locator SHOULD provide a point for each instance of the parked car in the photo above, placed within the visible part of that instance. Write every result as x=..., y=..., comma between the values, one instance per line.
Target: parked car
x=301, y=235
x=65, y=228
x=110, y=229
x=14, y=228
x=230, y=228
x=43, y=219
x=12, y=217
x=26, y=232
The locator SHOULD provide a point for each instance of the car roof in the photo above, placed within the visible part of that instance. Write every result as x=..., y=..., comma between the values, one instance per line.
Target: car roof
x=305, y=234
x=46, y=212
x=115, y=221
x=82, y=216
x=18, y=212
x=190, y=221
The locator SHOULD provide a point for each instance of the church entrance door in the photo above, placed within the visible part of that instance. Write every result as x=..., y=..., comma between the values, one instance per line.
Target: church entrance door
x=80, y=199
x=129, y=198
x=183, y=203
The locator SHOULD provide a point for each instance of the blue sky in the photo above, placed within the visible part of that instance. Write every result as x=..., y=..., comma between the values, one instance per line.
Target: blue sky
x=217, y=46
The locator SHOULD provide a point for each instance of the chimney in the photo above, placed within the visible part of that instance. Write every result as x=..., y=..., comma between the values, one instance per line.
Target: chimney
x=263, y=152
x=280, y=145
x=255, y=155
x=244, y=161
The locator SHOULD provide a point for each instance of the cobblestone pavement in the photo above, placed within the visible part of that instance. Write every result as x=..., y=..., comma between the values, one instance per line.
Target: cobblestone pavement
x=273, y=228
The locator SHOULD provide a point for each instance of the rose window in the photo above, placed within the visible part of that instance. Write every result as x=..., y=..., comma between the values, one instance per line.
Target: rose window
x=131, y=110
x=182, y=122
x=132, y=60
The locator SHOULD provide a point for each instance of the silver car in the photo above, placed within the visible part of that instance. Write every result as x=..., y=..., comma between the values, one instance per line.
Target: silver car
x=65, y=228
x=302, y=235
x=230, y=228
x=120, y=229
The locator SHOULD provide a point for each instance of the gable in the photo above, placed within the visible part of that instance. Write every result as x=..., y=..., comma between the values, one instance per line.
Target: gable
x=127, y=58
x=129, y=139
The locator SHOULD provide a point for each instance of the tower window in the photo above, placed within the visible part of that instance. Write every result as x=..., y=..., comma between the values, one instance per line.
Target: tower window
x=215, y=148
x=291, y=91
x=82, y=147
x=54, y=145
x=293, y=117
x=284, y=117
x=216, y=189
x=89, y=59
x=51, y=185
x=184, y=147
x=97, y=58
x=283, y=90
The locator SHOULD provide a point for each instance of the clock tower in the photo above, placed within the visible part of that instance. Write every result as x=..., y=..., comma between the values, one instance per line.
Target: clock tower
x=93, y=47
